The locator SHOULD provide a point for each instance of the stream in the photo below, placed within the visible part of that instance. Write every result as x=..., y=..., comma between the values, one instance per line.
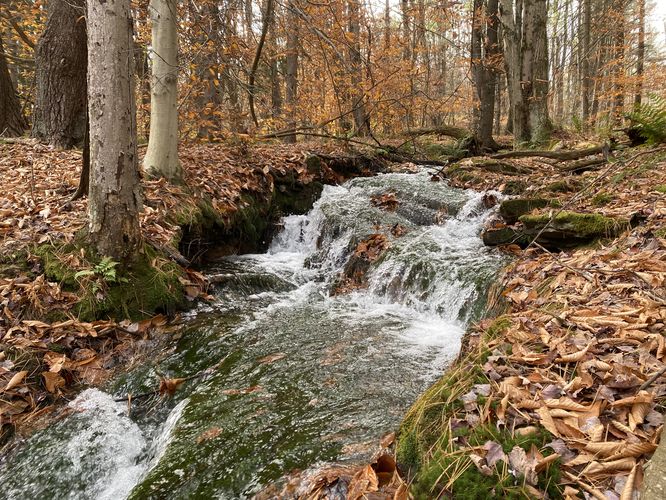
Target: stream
x=296, y=377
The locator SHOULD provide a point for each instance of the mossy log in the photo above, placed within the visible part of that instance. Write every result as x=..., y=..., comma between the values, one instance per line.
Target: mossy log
x=557, y=155
x=565, y=230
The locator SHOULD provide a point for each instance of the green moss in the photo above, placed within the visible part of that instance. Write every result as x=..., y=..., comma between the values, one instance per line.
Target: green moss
x=514, y=187
x=440, y=151
x=498, y=327
x=14, y=264
x=53, y=265
x=560, y=187
x=148, y=286
x=660, y=233
x=661, y=188
x=511, y=210
x=601, y=199
x=461, y=174
x=583, y=225
x=427, y=439
x=441, y=466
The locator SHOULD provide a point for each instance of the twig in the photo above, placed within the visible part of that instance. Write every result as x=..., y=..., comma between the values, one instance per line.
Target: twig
x=652, y=379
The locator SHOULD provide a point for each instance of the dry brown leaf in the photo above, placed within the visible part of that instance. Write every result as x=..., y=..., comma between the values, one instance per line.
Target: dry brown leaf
x=365, y=480
x=15, y=380
x=576, y=356
x=53, y=381
x=598, y=470
x=628, y=490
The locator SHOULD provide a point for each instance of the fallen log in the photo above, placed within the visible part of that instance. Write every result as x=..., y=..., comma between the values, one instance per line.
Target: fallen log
x=557, y=155
x=446, y=130
x=583, y=165
x=565, y=230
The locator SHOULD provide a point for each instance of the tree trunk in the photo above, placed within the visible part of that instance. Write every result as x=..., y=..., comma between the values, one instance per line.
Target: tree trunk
x=640, y=55
x=526, y=60
x=291, y=76
x=484, y=54
x=618, y=63
x=114, y=199
x=12, y=123
x=60, y=61
x=587, y=77
x=536, y=28
x=161, y=158
x=361, y=125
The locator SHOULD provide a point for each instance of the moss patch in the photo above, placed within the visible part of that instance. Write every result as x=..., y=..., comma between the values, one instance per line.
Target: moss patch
x=601, y=199
x=579, y=225
x=564, y=186
x=514, y=187
x=148, y=286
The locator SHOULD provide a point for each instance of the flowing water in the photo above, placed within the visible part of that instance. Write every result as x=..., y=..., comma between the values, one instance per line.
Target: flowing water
x=295, y=377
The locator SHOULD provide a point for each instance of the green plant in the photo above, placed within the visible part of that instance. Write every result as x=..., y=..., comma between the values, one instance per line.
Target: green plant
x=104, y=273
x=650, y=119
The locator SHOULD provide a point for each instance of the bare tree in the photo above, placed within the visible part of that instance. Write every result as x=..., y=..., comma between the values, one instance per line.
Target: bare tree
x=485, y=59
x=114, y=198
x=526, y=59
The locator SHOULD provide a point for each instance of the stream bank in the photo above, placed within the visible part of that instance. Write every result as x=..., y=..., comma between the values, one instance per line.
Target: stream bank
x=556, y=396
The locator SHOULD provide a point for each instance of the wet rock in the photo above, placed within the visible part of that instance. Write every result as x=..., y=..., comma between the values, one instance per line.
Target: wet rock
x=512, y=210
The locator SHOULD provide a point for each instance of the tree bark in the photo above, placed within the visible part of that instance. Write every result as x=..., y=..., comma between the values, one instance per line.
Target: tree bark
x=361, y=122
x=60, y=61
x=161, y=158
x=526, y=59
x=291, y=76
x=12, y=122
x=485, y=56
x=114, y=199
x=640, y=55
x=587, y=77
x=618, y=63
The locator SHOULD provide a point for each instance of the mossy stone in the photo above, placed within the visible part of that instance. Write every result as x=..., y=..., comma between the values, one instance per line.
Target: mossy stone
x=512, y=210
x=576, y=225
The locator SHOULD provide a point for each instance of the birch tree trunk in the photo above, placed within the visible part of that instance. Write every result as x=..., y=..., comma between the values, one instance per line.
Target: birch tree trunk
x=640, y=54
x=114, y=198
x=61, y=57
x=161, y=158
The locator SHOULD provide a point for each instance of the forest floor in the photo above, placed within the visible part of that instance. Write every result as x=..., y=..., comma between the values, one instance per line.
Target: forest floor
x=555, y=395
